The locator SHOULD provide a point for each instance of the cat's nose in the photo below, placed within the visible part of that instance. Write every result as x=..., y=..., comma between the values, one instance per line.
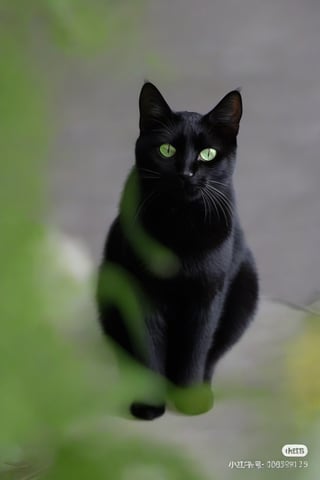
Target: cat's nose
x=186, y=174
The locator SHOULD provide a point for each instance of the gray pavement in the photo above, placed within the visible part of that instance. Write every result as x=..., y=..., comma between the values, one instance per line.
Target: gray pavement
x=196, y=51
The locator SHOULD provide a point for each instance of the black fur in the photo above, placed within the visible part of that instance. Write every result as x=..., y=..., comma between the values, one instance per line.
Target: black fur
x=189, y=206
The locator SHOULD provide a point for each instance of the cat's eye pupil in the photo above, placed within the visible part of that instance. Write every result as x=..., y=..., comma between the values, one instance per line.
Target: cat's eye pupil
x=167, y=150
x=207, y=154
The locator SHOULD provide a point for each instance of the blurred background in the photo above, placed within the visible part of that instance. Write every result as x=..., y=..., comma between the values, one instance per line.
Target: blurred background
x=70, y=76
x=195, y=52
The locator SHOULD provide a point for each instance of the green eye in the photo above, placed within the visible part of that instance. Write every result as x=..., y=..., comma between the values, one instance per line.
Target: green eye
x=207, y=154
x=167, y=150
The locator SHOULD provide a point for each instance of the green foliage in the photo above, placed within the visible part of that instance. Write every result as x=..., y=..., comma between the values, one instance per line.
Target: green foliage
x=126, y=459
x=49, y=387
x=302, y=368
x=80, y=25
x=158, y=258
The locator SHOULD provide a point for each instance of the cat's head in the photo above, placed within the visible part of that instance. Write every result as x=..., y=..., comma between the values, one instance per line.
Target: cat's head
x=185, y=152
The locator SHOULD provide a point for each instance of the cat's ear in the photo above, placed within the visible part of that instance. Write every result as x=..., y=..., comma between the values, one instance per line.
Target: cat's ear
x=154, y=110
x=227, y=113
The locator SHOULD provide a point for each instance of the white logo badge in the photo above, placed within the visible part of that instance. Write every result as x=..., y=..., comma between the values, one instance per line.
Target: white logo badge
x=293, y=450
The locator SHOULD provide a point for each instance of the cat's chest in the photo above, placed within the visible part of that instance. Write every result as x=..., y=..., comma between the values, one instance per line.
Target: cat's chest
x=199, y=280
x=184, y=232
x=204, y=272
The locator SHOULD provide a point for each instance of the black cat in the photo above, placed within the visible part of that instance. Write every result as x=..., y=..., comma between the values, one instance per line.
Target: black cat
x=184, y=166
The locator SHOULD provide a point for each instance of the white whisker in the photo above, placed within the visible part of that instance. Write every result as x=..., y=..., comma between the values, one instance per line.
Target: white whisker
x=148, y=170
x=204, y=204
x=222, y=201
x=212, y=201
x=219, y=183
x=143, y=204
x=223, y=198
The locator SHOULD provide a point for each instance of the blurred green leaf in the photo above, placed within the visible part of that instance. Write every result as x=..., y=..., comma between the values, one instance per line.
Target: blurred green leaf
x=49, y=386
x=121, y=459
x=302, y=371
x=156, y=257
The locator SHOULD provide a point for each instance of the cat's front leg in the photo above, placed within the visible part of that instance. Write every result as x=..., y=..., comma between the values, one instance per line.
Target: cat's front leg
x=147, y=348
x=189, y=342
x=240, y=306
x=151, y=406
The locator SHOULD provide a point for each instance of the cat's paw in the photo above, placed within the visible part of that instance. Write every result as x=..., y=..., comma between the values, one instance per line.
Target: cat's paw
x=144, y=411
x=193, y=400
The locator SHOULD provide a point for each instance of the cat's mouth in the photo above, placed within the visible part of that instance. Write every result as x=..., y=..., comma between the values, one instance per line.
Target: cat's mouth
x=187, y=190
x=178, y=188
x=191, y=191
